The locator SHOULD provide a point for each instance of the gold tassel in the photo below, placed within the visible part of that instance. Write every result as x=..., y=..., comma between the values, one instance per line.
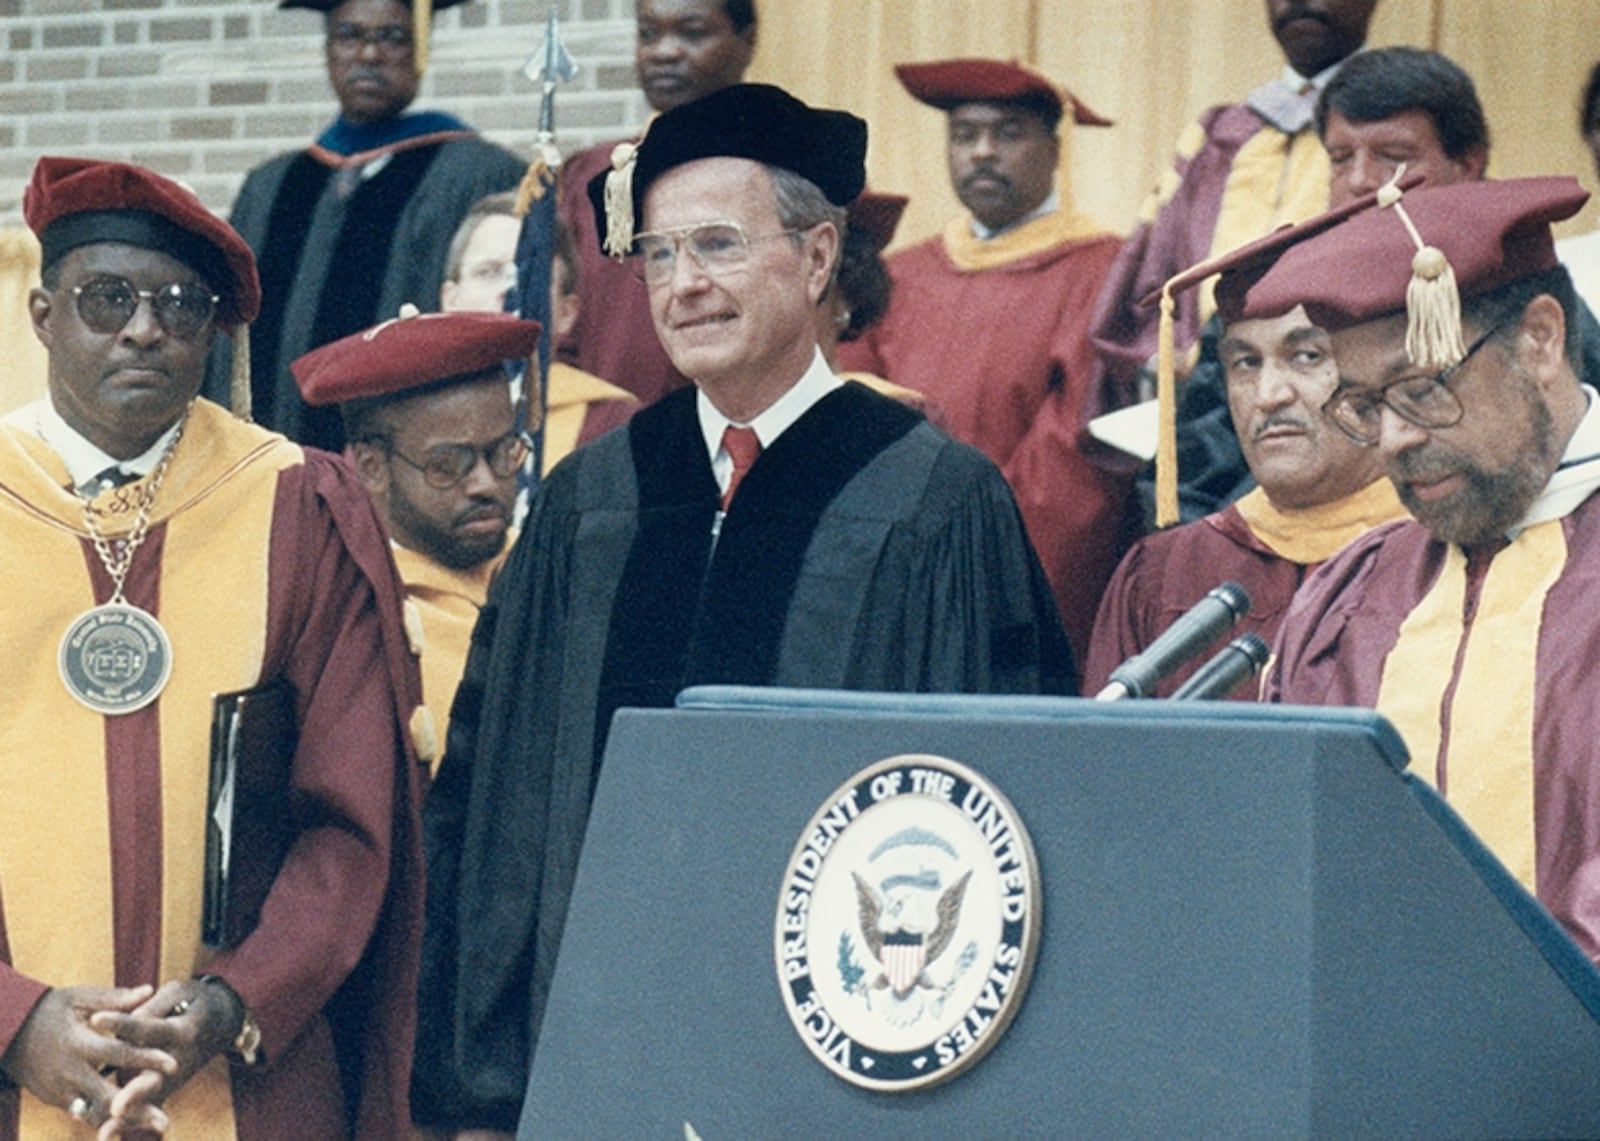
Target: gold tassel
x=531, y=188
x=421, y=22
x=1433, y=312
x=239, y=377
x=619, y=201
x=1166, y=416
x=1433, y=302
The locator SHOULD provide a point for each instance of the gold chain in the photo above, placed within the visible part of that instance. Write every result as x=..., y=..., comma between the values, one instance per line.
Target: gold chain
x=117, y=564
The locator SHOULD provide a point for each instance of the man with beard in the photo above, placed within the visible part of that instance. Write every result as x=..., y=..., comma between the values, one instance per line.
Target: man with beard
x=427, y=408
x=1470, y=627
x=685, y=50
x=357, y=224
x=989, y=319
x=1238, y=172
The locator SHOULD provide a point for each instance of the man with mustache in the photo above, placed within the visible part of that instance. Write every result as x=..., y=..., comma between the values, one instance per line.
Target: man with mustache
x=1316, y=489
x=1238, y=172
x=359, y=223
x=683, y=51
x=1471, y=626
x=1385, y=108
x=988, y=319
x=427, y=409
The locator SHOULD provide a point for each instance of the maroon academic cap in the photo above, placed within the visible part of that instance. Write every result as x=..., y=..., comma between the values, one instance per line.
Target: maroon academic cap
x=1361, y=267
x=876, y=215
x=747, y=120
x=74, y=202
x=414, y=350
x=1242, y=266
x=949, y=83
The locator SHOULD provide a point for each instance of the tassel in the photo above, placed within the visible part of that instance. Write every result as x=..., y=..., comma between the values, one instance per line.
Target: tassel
x=1433, y=312
x=1433, y=302
x=531, y=188
x=619, y=201
x=1167, y=416
x=421, y=22
x=239, y=377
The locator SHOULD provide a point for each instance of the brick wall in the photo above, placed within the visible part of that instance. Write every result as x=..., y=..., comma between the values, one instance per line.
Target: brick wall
x=203, y=90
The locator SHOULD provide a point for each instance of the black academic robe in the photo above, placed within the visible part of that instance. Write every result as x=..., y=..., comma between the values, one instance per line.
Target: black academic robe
x=865, y=550
x=333, y=263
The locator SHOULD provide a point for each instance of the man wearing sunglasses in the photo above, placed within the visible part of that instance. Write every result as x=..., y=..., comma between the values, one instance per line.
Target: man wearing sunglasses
x=1470, y=627
x=771, y=525
x=427, y=407
x=166, y=552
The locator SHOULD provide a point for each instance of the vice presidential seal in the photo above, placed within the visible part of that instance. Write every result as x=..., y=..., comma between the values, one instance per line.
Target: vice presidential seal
x=907, y=923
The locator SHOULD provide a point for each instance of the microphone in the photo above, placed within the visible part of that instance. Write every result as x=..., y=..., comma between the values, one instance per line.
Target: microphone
x=1194, y=630
x=1233, y=665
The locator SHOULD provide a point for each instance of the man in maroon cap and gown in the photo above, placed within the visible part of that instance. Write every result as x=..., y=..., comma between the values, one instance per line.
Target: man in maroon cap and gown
x=359, y=223
x=1316, y=489
x=1470, y=626
x=990, y=318
x=167, y=552
x=772, y=525
x=433, y=437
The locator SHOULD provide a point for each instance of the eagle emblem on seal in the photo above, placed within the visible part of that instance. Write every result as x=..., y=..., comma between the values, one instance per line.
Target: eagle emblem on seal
x=905, y=952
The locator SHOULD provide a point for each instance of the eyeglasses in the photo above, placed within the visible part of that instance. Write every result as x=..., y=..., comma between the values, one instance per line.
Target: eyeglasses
x=182, y=308
x=492, y=273
x=716, y=247
x=1426, y=401
x=449, y=464
x=349, y=39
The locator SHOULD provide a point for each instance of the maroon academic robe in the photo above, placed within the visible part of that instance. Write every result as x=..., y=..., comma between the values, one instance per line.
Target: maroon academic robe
x=1488, y=668
x=262, y=561
x=1252, y=543
x=1003, y=352
x=1166, y=573
x=614, y=337
x=1240, y=170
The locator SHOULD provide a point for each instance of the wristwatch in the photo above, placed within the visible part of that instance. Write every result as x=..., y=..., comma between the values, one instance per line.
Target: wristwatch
x=247, y=1044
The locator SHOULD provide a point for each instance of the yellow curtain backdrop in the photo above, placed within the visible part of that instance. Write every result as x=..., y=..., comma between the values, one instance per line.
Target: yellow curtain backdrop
x=22, y=360
x=1153, y=65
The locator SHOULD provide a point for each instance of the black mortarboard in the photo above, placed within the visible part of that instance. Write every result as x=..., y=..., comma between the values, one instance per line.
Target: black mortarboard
x=747, y=120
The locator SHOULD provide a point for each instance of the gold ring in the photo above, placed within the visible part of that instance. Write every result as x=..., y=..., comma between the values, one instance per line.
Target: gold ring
x=78, y=1108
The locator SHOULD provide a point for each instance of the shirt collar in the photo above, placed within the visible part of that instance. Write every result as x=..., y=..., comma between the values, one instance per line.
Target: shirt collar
x=1049, y=206
x=815, y=383
x=83, y=459
x=1576, y=477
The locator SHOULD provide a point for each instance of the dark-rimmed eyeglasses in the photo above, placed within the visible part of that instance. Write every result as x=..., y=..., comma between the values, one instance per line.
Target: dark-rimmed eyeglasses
x=448, y=464
x=716, y=247
x=1425, y=401
x=182, y=308
x=349, y=39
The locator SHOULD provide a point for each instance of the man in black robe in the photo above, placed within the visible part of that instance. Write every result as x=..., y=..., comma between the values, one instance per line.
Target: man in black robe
x=863, y=549
x=358, y=223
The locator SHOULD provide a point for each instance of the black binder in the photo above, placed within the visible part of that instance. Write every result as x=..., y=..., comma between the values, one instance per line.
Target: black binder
x=248, y=823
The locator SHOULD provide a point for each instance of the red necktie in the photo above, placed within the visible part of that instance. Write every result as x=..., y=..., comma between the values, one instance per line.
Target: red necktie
x=743, y=446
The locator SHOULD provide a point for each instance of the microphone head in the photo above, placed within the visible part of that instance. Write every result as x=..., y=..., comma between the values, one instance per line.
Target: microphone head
x=1234, y=597
x=1254, y=647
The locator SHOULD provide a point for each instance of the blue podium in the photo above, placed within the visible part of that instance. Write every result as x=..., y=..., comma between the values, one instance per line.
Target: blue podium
x=1255, y=924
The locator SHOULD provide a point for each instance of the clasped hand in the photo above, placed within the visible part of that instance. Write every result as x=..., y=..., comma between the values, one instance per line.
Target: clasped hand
x=111, y=1056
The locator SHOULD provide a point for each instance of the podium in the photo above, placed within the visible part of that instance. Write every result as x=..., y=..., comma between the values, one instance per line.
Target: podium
x=1256, y=923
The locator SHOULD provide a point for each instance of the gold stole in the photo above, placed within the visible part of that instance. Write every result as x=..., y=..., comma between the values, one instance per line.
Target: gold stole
x=55, y=858
x=1489, y=765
